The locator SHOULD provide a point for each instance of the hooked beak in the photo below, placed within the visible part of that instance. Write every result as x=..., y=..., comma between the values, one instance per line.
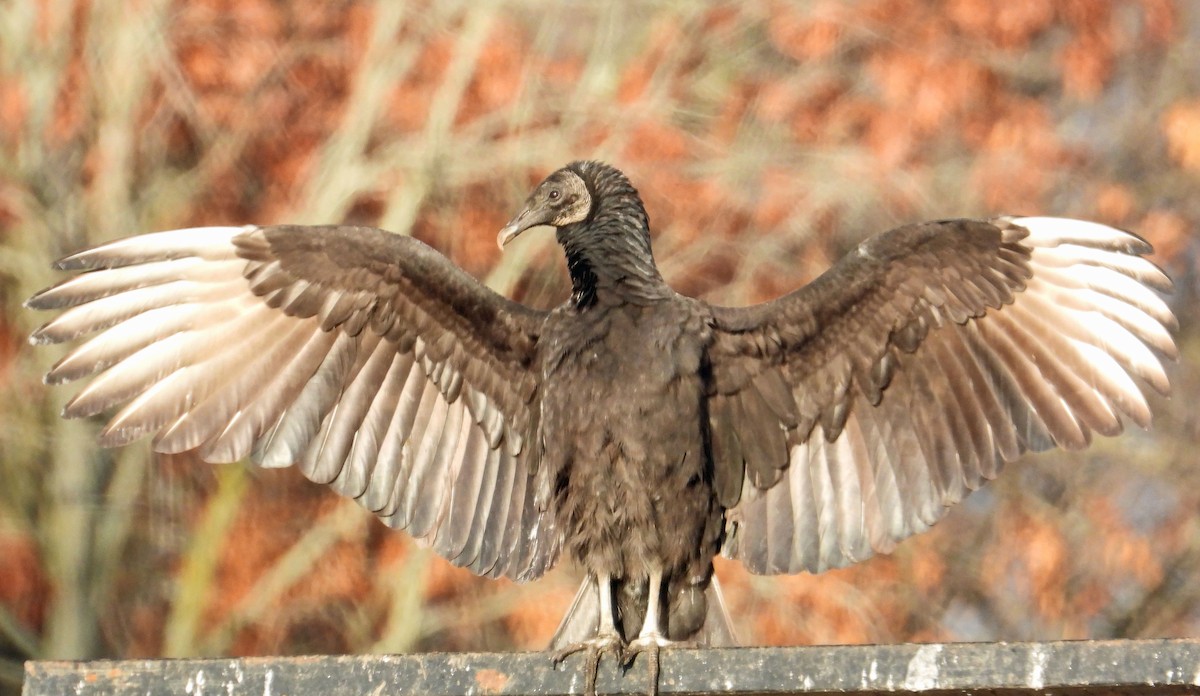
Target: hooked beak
x=529, y=217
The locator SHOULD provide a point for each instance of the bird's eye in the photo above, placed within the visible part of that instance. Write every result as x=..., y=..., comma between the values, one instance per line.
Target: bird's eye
x=554, y=194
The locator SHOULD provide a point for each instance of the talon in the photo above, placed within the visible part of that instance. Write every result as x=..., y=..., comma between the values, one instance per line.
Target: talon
x=647, y=642
x=594, y=647
x=557, y=657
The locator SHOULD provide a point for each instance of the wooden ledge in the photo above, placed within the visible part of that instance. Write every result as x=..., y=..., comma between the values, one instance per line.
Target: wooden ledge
x=1072, y=667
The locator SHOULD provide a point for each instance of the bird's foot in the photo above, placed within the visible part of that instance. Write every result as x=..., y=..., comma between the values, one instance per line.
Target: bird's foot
x=594, y=647
x=651, y=643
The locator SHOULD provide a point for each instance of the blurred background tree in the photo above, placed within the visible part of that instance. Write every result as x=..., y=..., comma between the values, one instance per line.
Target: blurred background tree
x=767, y=137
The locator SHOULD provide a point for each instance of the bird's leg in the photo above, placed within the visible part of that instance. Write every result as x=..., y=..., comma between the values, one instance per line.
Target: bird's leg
x=607, y=637
x=652, y=633
x=651, y=638
x=653, y=604
x=608, y=625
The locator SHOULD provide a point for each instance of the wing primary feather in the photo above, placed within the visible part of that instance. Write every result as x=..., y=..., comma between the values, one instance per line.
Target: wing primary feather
x=240, y=378
x=509, y=548
x=1020, y=427
x=1100, y=331
x=465, y=495
x=109, y=311
x=120, y=341
x=433, y=476
x=1141, y=325
x=327, y=459
x=825, y=498
x=1063, y=368
x=1117, y=286
x=375, y=438
x=969, y=426
x=301, y=421
x=422, y=442
x=1068, y=256
x=96, y=285
x=249, y=424
x=195, y=381
x=1000, y=435
x=848, y=498
x=493, y=536
x=211, y=243
x=780, y=530
x=413, y=411
x=490, y=491
x=160, y=361
x=1028, y=372
x=1054, y=231
x=928, y=409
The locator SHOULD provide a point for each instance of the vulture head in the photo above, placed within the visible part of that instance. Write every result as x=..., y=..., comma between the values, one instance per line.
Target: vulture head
x=562, y=199
x=603, y=229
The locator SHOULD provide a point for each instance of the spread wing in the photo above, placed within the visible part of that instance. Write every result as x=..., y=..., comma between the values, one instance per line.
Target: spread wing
x=366, y=358
x=849, y=414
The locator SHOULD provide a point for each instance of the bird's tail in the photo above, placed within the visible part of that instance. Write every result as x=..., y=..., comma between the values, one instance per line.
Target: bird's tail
x=583, y=619
x=717, y=631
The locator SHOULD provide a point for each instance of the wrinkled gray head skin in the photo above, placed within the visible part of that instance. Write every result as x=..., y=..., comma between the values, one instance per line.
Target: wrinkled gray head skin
x=561, y=199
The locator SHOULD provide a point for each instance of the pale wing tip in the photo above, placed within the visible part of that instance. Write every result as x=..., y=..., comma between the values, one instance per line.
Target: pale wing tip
x=272, y=457
x=41, y=338
x=130, y=249
x=79, y=407
x=1169, y=349
x=74, y=262
x=54, y=377
x=1160, y=281
x=53, y=332
x=1060, y=230
x=87, y=259
x=113, y=437
x=44, y=299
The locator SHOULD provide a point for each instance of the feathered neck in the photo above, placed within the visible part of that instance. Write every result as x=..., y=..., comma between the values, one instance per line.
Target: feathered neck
x=608, y=254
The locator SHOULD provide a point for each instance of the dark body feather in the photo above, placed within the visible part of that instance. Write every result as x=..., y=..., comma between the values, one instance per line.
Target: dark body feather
x=642, y=431
x=634, y=489
x=626, y=412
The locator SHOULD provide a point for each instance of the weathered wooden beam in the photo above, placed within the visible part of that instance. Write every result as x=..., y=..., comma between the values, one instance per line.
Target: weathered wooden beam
x=1073, y=667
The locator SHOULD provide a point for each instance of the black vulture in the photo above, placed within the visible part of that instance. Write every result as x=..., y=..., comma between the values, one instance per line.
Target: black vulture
x=640, y=430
